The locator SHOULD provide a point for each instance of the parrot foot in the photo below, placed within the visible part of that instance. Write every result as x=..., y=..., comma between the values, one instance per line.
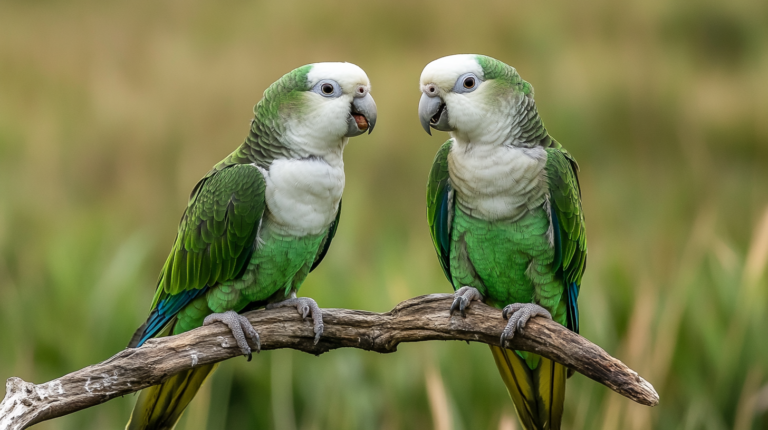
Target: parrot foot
x=518, y=315
x=305, y=306
x=240, y=327
x=463, y=298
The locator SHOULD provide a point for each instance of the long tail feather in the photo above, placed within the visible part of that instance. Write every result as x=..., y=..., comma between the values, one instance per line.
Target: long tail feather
x=159, y=407
x=538, y=394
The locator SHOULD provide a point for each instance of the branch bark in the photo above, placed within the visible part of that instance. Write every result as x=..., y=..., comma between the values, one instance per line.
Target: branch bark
x=419, y=319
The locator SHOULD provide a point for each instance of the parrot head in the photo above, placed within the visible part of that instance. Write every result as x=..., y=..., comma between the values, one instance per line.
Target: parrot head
x=471, y=96
x=319, y=105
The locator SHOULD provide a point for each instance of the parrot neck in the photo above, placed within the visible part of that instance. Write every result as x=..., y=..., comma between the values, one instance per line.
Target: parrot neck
x=262, y=146
x=513, y=122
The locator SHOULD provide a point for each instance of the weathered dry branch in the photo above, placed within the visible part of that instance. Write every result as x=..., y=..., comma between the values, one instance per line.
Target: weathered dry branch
x=415, y=320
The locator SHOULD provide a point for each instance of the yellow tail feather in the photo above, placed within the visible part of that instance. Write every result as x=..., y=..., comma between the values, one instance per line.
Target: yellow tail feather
x=538, y=394
x=159, y=407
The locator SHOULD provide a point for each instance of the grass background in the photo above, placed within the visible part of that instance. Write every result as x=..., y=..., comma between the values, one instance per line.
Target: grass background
x=110, y=112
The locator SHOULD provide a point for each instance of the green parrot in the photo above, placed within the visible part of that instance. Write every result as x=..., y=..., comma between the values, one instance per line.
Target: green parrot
x=258, y=223
x=504, y=211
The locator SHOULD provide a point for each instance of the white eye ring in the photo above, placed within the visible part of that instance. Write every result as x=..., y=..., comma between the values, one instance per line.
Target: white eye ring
x=467, y=83
x=327, y=88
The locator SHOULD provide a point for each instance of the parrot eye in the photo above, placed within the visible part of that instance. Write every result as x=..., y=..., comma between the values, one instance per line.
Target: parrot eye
x=467, y=83
x=327, y=88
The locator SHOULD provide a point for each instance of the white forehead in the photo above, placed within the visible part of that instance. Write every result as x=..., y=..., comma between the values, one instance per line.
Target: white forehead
x=346, y=74
x=444, y=71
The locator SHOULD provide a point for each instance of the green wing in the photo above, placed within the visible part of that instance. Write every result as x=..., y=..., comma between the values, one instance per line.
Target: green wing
x=214, y=243
x=440, y=207
x=328, y=238
x=217, y=231
x=568, y=223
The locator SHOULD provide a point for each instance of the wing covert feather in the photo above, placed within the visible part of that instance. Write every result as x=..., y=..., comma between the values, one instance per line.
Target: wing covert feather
x=440, y=207
x=217, y=232
x=565, y=201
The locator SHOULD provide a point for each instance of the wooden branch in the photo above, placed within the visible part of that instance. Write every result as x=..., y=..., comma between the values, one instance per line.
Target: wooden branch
x=415, y=320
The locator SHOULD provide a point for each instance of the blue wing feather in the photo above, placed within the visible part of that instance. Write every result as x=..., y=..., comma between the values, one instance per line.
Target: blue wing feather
x=572, y=289
x=443, y=228
x=439, y=208
x=165, y=311
x=572, y=306
x=558, y=261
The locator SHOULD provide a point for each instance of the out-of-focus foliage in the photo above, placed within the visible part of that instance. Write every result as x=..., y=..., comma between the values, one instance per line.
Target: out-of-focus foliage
x=110, y=111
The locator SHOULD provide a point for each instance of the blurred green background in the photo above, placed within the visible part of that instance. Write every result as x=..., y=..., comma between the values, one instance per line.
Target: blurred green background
x=110, y=112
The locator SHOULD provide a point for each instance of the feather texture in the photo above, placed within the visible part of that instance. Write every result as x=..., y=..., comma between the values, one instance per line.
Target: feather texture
x=440, y=206
x=326, y=244
x=538, y=394
x=159, y=407
x=254, y=225
x=504, y=211
x=569, y=227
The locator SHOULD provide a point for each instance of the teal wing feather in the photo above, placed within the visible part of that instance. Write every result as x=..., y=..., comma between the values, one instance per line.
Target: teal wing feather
x=440, y=207
x=569, y=227
x=214, y=242
x=326, y=244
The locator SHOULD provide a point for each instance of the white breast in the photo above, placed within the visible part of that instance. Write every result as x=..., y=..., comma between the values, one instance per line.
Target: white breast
x=497, y=182
x=303, y=195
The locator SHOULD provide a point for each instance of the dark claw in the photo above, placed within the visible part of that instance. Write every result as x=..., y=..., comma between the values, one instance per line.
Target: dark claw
x=460, y=303
x=504, y=336
x=455, y=304
x=250, y=356
x=463, y=300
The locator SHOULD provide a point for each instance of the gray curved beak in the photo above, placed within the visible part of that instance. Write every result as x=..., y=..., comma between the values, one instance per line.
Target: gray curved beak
x=362, y=116
x=433, y=113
